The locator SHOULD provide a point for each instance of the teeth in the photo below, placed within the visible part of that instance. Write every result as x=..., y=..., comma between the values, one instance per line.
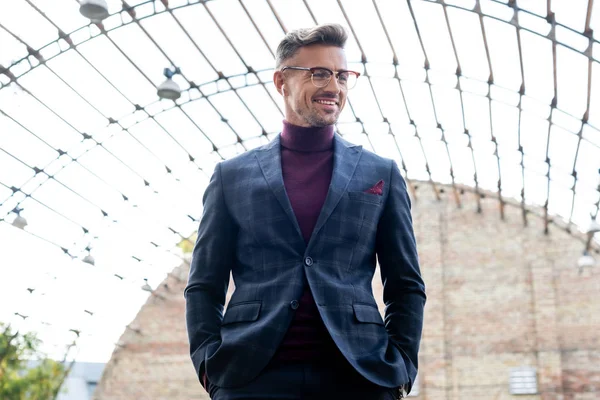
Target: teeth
x=332, y=103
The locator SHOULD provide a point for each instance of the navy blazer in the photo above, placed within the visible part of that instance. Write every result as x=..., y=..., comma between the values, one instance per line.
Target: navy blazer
x=248, y=227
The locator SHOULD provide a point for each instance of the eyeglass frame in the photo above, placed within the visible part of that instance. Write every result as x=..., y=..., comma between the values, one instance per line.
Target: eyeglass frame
x=333, y=73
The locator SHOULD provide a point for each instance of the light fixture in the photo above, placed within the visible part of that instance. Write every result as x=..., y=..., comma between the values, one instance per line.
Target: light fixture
x=594, y=227
x=586, y=260
x=169, y=89
x=146, y=286
x=20, y=221
x=89, y=259
x=95, y=10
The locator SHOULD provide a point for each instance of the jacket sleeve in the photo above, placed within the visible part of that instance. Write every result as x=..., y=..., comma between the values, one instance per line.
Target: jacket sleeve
x=212, y=260
x=403, y=288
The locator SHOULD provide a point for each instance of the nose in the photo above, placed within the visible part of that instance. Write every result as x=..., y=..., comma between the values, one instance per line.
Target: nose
x=336, y=85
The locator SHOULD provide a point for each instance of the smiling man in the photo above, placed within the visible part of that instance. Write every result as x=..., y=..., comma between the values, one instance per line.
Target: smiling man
x=300, y=224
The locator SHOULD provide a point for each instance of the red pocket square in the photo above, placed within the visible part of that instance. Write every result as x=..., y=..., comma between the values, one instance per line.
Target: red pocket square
x=377, y=189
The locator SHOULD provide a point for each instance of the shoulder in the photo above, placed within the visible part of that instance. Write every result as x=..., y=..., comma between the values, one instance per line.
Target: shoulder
x=375, y=159
x=239, y=160
x=245, y=161
x=367, y=156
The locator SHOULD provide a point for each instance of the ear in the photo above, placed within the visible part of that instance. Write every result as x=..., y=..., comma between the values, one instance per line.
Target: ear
x=279, y=82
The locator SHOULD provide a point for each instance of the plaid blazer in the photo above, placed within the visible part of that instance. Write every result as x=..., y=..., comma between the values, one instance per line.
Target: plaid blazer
x=248, y=227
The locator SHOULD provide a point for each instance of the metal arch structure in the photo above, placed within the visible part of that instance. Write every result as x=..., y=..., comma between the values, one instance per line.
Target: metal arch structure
x=136, y=15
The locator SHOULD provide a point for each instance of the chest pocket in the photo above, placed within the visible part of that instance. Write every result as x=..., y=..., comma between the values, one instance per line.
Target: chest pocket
x=347, y=222
x=369, y=205
x=365, y=197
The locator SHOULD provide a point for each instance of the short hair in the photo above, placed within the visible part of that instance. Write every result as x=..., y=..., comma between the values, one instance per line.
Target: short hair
x=327, y=34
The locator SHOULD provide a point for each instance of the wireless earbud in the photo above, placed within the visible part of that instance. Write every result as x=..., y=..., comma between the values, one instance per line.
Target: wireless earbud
x=283, y=89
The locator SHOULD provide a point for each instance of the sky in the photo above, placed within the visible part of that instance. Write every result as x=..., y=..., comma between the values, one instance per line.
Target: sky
x=101, y=163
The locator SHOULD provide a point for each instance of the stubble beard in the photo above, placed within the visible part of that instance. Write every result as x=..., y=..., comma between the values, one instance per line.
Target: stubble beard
x=313, y=118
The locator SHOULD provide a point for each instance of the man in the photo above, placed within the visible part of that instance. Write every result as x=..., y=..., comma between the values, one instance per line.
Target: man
x=299, y=223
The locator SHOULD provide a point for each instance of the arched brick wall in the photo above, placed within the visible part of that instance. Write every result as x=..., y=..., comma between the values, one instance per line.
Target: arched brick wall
x=500, y=295
x=152, y=359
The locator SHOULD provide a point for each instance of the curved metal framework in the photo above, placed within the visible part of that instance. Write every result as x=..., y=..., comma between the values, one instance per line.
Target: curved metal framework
x=419, y=100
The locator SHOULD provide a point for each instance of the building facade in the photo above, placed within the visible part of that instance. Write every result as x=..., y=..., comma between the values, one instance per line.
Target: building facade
x=509, y=314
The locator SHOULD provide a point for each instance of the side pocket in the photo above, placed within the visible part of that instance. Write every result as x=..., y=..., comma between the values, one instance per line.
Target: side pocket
x=242, y=312
x=368, y=314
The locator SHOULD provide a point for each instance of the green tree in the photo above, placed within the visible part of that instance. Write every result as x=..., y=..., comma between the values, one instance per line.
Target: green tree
x=17, y=382
x=187, y=244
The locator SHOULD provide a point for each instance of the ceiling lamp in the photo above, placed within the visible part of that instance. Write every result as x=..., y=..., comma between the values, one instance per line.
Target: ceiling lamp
x=586, y=260
x=89, y=259
x=20, y=221
x=95, y=10
x=146, y=286
x=169, y=89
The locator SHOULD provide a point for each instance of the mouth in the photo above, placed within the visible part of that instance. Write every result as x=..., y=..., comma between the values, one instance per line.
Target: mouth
x=327, y=103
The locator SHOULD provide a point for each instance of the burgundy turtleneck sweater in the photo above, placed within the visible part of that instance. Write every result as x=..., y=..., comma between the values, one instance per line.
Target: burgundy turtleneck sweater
x=307, y=165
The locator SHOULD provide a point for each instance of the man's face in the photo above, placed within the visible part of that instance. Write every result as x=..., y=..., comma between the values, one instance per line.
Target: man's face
x=304, y=102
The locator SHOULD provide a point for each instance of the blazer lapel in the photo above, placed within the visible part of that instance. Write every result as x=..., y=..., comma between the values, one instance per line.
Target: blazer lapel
x=269, y=160
x=345, y=159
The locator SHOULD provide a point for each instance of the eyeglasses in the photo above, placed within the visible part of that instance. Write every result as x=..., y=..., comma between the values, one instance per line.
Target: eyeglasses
x=322, y=76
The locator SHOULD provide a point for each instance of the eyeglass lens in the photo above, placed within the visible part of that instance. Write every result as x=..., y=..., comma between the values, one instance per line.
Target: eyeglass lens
x=321, y=78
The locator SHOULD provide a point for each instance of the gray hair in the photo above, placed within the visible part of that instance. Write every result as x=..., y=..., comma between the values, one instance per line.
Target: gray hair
x=327, y=34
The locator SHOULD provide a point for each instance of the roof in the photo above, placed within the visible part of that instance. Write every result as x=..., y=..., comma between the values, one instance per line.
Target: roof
x=497, y=96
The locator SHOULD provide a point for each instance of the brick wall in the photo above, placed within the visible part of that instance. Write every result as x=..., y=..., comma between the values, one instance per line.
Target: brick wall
x=153, y=362
x=500, y=295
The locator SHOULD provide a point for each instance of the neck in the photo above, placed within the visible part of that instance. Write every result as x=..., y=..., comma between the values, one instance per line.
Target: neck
x=300, y=138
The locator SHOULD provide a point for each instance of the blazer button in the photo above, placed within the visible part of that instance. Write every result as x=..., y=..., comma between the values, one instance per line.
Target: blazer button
x=294, y=304
x=308, y=261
